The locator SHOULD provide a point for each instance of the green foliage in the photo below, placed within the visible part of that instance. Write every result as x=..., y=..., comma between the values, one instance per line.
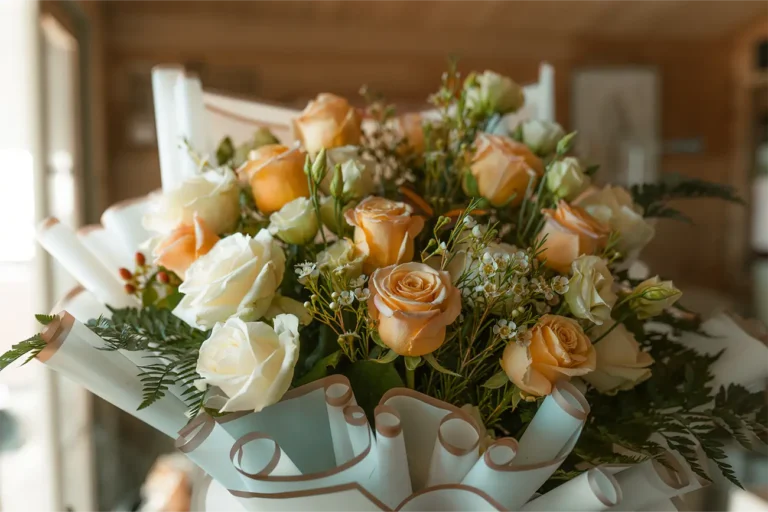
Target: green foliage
x=29, y=348
x=370, y=381
x=653, y=197
x=45, y=319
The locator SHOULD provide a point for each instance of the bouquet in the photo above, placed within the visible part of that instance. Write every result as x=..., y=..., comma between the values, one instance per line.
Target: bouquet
x=452, y=284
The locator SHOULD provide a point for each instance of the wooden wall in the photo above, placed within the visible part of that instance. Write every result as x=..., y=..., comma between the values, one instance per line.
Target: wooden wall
x=288, y=61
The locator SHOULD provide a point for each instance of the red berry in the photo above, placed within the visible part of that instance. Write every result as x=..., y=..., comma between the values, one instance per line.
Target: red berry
x=140, y=259
x=125, y=274
x=130, y=289
x=163, y=277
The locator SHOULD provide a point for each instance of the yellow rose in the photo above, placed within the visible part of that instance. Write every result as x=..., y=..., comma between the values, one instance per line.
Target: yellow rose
x=502, y=169
x=620, y=362
x=276, y=175
x=558, y=350
x=384, y=231
x=571, y=232
x=184, y=245
x=413, y=304
x=328, y=121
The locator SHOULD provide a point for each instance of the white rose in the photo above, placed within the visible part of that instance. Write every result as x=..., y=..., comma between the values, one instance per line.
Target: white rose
x=614, y=206
x=340, y=256
x=495, y=93
x=356, y=172
x=239, y=276
x=590, y=292
x=653, y=296
x=566, y=179
x=541, y=136
x=621, y=364
x=251, y=362
x=295, y=223
x=212, y=195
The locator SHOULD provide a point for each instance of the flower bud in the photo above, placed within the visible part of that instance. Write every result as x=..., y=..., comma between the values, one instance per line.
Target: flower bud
x=337, y=183
x=493, y=93
x=163, y=277
x=140, y=259
x=566, y=179
x=295, y=223
x=653, y=296
x=130, y=289
x=125, y=274
x=319, y=168
x=541, y=136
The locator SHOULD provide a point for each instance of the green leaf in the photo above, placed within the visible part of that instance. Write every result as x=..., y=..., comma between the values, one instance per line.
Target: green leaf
x=149, y=296
x=564, y=146
x=516, y=397
x=45, y=319
x=377, y=339
x=498, y=380
x=386, y=358
x=591, y=170
x=29, y=347
x=412, y=362
x=225, y=151
x=370, y=381
x=470, y=185
x=429, y=358
x=320, y=369
x=170, y=301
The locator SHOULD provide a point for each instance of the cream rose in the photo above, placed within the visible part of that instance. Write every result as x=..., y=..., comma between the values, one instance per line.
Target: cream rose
x=251, y=362
x=590, y=292
x=566, y=179
x=356, y=172
x=413, y=304
x=570, y=232
x=295, y=223
x=239, y=276
x=328, y=121
x=501, y=169
x=620, y=362
x=384, y=231
x=653, y=296
x=541, y=136
x=492, y=92
x=212, y=195
x=558, y=350
x=614, y=206
x=184, y=245
x=341, y=257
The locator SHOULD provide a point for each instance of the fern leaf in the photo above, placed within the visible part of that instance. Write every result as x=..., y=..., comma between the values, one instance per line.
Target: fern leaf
x=30, y=347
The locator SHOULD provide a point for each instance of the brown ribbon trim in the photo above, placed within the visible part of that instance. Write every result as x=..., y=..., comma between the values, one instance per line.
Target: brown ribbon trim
x=592, y=476
x=47, y=223
x=354, y=486
x=66, y=299
x=355, y=415
x=237, y=449
x=558, y=393
x=453, y=449
x=194, y=433
x=338, y=401
x=509, y=442
x=389, y=431
x=90, y=228
x=55, y=334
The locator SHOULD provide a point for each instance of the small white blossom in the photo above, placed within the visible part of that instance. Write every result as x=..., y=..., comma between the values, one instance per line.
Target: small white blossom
x=358, y=282
x=523, y=337
x=441, y=248
x=346, y=298
x=560, y=284
x=469, y=222
x=306, y=270
x=488, y=265
x=335, y=295
x=333, y=306
x=489, y=289
x=362, y=294
x=502, y=260
x=477, y=232
x=505, y=329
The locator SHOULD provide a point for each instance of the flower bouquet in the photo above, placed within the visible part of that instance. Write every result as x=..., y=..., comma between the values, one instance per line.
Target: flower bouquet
x=412, y=312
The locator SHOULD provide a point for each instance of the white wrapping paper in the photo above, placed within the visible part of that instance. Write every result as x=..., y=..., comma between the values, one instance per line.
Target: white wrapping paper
x=72, y=351
x=190, y=120
x=81, y=304
x=164, y=80
x=593, y=490
x=643, y=485
x=106, y=247
x=456, y=451
x=123, y=221
x=394, y=478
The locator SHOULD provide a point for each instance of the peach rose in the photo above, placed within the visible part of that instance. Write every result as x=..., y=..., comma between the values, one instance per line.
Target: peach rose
x=411, y=128
x=559, y=350
x=384, y=231
x=184, y=245
x=328, y=121
x=276, y=175
x=502, y=169
x=571, y=232
x=413, y=304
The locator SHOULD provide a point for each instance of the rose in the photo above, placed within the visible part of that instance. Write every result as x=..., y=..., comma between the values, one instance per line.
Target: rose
x=413, y=304
x=356, y=172
x=492, y=92
x=614, y=206
x=590, y=292
x=566, y=179
x=251, y=362
x=653, y=296
x=384, y=231
x=501, y=170
x=295, y=223
x=340, y=257
x=184, y=245
x=620, y=362
x=276, y=175
x=212, y=195
x=239, y=276
x=328, y=121
x=541, y=136
x=558, y=350
x=570, y=232
x=411, y=128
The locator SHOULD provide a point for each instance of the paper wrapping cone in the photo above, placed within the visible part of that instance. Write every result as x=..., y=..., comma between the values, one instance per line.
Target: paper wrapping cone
x=72, y=350
x=105, y=247
x=394, y=478
x=124, y=222
x=62, y=243
x=456, y=450
x=164, y=80
x=81, y=304
x=190, y=120
x=501, y=475
x=649, y=482
x=592, y=491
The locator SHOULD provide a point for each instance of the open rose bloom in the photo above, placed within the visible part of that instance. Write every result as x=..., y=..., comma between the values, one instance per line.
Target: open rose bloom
x=362, y=317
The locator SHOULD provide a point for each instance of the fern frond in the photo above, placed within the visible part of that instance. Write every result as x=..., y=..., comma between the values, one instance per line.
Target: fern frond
x=30, y=347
